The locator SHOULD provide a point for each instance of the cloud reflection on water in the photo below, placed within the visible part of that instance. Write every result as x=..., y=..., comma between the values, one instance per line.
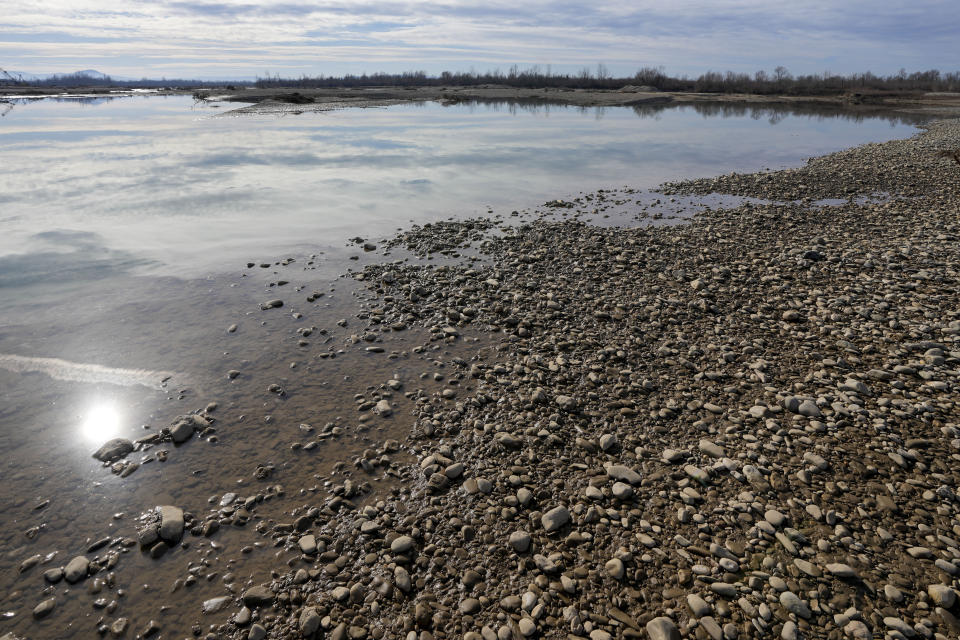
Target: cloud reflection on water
x=162, y=188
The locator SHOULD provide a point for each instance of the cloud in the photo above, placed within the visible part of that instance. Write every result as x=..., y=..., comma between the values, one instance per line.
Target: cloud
x=244, y=38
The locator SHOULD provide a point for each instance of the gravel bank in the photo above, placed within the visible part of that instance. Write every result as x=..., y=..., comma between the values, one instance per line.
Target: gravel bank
x=745, y=426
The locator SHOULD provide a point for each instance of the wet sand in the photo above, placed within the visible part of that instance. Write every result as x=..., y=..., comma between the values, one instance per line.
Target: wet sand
x=532, y=425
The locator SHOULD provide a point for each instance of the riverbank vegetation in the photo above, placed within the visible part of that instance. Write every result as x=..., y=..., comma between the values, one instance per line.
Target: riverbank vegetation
x=779, y=81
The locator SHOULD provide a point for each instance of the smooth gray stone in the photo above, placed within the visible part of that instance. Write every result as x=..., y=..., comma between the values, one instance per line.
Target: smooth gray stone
x=113, y=450
x=171, y=523
x=76, y=569
x=662, y=628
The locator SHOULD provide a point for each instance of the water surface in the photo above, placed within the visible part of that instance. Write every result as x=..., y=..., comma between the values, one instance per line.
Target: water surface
x=161, y=185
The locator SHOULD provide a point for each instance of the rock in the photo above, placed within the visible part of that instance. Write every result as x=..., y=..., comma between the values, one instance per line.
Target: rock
x=697, y=474
x=213, y=605
x=817, y=461
x=843, y=571
x=899, y=625
x=609, y=441
x=724, y=589
x=383, y=408
x=259, y=596
x=113, y=450
x=76, y=569
x=710, y=449
x=29, y=563
x=271, y=304
x=171, y=524
x=662, y=628
x=792, y=603
x=673, y=456
x=775, y=518
x=555, y=519
x=182, y=428
x=810, y=409
x=942, y=595
x=53, y=576
x=469, y=606
x=621, y=491
x=257, y=632
x=45, y=608
x=855, y=386
x=624, y=473
x=789, y=631
x=857, y=630
x=508, y=440
x=520, y=541
x=698, y=606
x=401, y=578
x=401, y=544
x=614, y=568
x=527, y=627
x=309, y=622
x=308, y=544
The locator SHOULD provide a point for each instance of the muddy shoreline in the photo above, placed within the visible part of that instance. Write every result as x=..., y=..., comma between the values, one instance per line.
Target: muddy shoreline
x=743, y=426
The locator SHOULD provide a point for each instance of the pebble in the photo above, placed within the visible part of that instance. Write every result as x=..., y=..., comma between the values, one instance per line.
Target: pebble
x=258, y=596
x=621, y=491
x=843, y=571
x=171, y=523
x=520, y=541
x=183, y=427
x=401, y=544
x=113, y=450
x=792, y=603
x=45, y=608
x=309, y=622
x=698, y=606
x=308, y=544
x=710, y=449
x=614, y=568
x=555, y=519
x=624, y=473
x=662, y=628
x=76, y=569
x=213, y=605
x=942, y=595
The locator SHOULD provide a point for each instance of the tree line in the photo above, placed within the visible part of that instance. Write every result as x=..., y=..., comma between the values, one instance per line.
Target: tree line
x=777, y=81
x=80, y=80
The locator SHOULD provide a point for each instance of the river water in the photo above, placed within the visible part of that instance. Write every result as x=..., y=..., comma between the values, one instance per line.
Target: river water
x=126, y=229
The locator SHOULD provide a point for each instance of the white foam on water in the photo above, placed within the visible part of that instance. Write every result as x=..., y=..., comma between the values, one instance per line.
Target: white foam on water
x=84, y=372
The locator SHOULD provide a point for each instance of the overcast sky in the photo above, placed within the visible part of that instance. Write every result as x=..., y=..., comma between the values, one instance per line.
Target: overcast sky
x=247, y=38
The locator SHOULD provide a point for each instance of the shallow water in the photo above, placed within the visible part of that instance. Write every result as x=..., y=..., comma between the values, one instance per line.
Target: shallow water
x=125, y=229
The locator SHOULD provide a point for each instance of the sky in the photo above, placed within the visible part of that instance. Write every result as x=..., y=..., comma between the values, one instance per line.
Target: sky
x=237, y=39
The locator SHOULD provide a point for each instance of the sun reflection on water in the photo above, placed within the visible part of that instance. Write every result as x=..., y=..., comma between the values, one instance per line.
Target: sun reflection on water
x=101, y=422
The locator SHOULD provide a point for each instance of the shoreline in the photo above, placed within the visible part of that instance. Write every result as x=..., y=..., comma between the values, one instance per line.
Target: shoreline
x=646, y=432
x=943, y=104
x=265, y=100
